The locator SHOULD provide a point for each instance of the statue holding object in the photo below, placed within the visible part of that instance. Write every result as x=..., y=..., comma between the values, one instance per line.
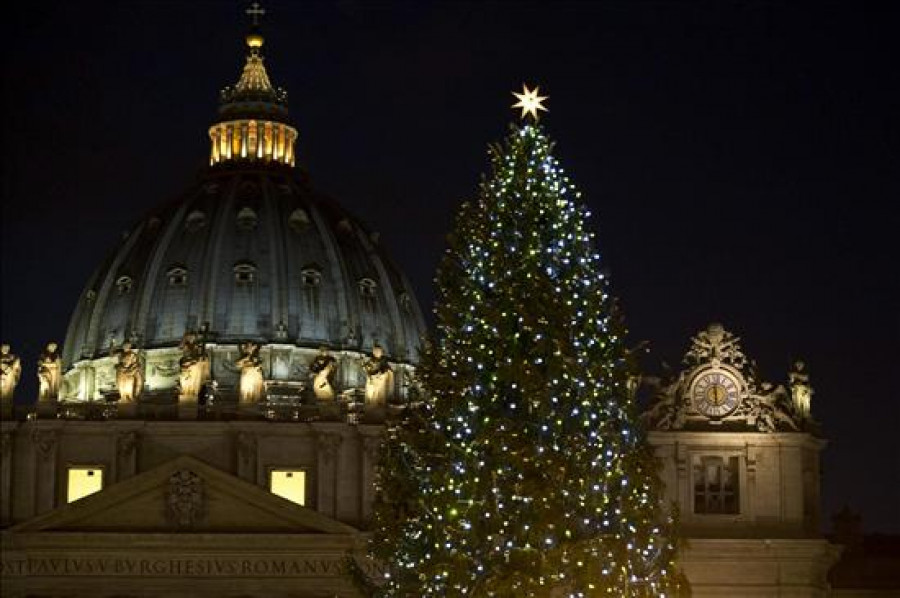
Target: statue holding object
x=10, y=372
x=49, y=373
x=323, y=367
x=801, y=391
x=194, y=365
x=379, y=378
x=251, y=385
x=129, y=373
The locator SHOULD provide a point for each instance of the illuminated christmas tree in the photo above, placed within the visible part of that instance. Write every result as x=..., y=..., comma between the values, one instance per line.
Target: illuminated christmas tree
x=523, y=473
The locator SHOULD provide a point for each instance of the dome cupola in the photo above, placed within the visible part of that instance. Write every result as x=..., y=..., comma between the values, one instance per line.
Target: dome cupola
x=249, y=264
x=253, y=121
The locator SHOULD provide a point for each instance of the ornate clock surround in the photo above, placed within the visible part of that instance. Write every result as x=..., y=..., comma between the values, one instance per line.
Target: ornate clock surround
x=716, y=391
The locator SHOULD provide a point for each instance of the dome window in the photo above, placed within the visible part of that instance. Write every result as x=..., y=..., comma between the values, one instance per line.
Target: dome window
x=367, y=287
x=405, y=303
x=246, y=219
x=177, y=276
x=298, y=220
x=311, y=276
x=244, y=273
x=195, y=221
x=123, y=284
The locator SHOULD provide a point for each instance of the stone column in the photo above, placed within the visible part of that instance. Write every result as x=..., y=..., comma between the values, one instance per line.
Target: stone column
x=6, y=450
x=246, y=449
x=328, y=447
x=370, y=443
x=749, y=506
x=126, y=455
x=45, y=444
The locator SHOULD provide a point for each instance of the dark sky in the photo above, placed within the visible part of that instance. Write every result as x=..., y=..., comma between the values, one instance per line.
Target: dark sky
x=742, y=161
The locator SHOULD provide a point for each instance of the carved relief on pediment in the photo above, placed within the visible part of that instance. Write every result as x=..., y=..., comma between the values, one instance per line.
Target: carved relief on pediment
x=185, y=499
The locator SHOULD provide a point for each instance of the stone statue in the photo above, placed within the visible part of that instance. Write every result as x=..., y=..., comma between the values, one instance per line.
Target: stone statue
x=194, y=366
x=715, y=345
x=251, y=387
x=323, y=367
x=801, y=391
x=49, y=373
x=379, y=378
x=10, y=372
x=129, y=373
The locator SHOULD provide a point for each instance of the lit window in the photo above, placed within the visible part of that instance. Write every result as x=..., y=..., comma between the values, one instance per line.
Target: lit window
x=289, y=484
x=244, y=273
x=83, y=481
x=177, y=276
x=716, y=485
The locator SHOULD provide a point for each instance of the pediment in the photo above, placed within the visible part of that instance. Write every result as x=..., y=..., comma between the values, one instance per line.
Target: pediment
x=184, y=495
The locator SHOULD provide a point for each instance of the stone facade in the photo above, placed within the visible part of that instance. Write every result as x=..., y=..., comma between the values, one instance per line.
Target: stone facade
x=184, y=509
x=740, y=459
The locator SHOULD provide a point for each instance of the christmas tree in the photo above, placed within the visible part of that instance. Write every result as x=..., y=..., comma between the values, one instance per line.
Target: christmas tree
x=523, y=473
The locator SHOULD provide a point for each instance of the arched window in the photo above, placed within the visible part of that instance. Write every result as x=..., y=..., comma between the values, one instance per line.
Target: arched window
x=405, y=303
x=123, y=284
x=244, y=273
x=177, y=276
x=298, y=220
x=311, y=276
x=195, y=221
x=367, y=287
x=246, y=218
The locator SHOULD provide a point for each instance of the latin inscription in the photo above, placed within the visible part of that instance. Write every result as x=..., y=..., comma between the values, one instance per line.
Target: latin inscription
x=182, y=567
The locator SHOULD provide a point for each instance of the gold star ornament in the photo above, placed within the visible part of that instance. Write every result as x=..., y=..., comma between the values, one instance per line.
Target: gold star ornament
x=530, y=102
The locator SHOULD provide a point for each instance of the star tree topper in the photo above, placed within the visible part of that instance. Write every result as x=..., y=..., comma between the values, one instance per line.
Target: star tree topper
x=530, y=102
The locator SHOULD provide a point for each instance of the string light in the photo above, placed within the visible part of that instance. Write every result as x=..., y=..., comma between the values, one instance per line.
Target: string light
x=522, y=470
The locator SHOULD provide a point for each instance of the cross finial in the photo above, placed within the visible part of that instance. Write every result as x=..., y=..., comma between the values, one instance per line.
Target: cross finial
x=255, y=12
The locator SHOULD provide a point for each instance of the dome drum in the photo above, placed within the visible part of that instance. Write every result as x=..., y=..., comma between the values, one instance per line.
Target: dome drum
x=288, y=393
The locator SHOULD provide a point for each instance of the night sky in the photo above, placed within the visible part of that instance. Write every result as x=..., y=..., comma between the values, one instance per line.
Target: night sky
x=742, y=162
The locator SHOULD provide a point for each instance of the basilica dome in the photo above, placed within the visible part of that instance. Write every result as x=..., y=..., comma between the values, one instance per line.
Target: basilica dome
x=251, y=252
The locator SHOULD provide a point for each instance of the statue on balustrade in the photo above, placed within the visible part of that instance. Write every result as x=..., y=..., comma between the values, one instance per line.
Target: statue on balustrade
x=129, y=373
x=194, y=364
x=10, y=372
x=49, y=373
x=379, y=378
x=323, y=367
x=801, y=391
x=251, y=386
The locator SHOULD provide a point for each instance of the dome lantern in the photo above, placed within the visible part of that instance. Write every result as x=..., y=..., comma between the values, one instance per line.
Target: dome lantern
x=253, y=123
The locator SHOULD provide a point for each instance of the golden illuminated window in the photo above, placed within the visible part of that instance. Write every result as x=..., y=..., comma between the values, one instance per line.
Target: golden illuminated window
x=82, y=481
x=289, y=484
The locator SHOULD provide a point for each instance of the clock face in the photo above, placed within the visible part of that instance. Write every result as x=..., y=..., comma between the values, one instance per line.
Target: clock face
x=715, y=394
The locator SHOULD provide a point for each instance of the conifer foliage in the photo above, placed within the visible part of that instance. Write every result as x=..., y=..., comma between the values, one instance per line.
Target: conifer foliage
x=523, y=472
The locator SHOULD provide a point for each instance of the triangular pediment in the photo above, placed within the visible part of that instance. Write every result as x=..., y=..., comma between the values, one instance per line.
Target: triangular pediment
x=184, y=495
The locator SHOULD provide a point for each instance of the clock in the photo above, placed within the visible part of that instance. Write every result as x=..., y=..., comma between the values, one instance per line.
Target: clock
x=715, y=393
